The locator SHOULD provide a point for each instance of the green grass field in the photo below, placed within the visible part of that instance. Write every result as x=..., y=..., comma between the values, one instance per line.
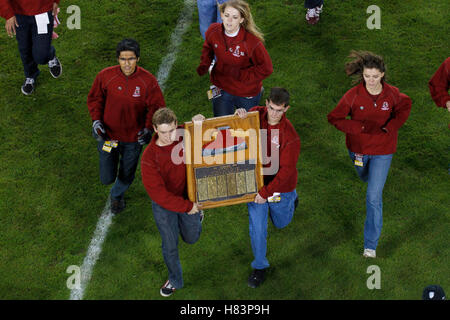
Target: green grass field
x=51, y=196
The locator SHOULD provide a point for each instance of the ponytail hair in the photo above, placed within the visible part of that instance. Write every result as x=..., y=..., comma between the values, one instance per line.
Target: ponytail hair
x=244, y=10
x=361, y=60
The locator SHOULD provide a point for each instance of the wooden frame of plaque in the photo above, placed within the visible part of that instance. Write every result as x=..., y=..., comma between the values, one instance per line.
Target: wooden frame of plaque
x=223, y=160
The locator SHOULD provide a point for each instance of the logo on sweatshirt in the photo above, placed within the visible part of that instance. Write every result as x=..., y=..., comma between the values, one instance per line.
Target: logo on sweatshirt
x=237, y=53
x=385, y=106
x=137, y=92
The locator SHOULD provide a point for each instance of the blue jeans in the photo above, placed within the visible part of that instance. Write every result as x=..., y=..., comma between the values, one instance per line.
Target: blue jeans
x=208, y=13
x=281, y=214
x=171, y=224
x=374, y=171
x=34, y=48
x=227, y=103
x=127, y=155
x=309, y=4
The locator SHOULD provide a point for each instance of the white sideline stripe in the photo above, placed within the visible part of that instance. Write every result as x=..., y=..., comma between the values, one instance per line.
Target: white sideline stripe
x=176, y=38
x=105, y=220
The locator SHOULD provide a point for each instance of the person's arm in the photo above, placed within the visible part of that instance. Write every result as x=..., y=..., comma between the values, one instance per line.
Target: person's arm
x=439, y=85
x=206, y=57
x=338, y=117
x=399, y=114
x=156, y=189
x=7, y=12
x=96, y=99
x=262, y=66
x=154, y=101
x=288, y=164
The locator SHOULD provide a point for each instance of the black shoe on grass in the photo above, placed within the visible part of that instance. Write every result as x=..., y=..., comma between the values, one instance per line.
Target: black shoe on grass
x=28, y=86
x=256, y=278
x=117, y=206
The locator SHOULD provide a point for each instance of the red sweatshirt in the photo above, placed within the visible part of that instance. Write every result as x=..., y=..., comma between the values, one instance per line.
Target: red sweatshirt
x=439, y=84
x=242, y=62
x=124, y=104
x=363, y=131
x=9, y=8
x=165, y=181
x=288, y=144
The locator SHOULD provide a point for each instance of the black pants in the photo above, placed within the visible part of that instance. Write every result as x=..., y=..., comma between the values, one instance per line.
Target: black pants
x=309, y=4
x=34, y=48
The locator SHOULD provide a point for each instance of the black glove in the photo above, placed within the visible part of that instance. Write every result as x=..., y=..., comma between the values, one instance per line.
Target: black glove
x=144, y=136
x=98, y=130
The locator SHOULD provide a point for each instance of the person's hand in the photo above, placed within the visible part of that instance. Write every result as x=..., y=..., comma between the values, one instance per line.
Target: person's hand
x=259, y=199
x=144, y=136
x=195, y=208
x=241, y=112
x=10, y=26
x=448, y=105
x=98, y=130
x=55, y=9
x=198, y=118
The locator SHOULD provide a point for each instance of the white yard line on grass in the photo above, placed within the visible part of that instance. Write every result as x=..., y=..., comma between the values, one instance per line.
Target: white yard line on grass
x=105, y=220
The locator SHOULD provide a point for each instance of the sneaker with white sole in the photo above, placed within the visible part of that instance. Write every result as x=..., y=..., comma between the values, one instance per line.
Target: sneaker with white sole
x=369, y=253
x=167, y=289
x=28, y=86
x=55, y=67
x=319, y=9
x=311, y=16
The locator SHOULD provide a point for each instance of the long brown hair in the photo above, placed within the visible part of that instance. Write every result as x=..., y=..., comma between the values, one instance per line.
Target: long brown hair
x=244, y=10
x=361, y=60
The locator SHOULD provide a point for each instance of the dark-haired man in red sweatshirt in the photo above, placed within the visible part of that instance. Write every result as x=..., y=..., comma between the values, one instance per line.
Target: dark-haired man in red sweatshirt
x=278, y=195
x=121, y=103
x=32, y=24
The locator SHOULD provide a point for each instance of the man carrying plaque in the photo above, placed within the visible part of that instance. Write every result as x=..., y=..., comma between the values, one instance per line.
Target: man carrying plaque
x=164, y=178
x=278, y=195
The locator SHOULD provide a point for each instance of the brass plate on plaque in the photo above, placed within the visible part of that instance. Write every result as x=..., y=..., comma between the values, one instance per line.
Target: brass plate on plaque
x=225, y=181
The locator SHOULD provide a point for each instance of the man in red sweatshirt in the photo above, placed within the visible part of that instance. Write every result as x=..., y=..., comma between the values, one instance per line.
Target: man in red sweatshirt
x=439, y=85
x=278, y=195
x=32, y=24
x=164, y=178
x=121, y=103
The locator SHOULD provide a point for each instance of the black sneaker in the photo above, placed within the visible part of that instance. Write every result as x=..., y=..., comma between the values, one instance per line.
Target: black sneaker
x=295, y=203
x=28, y=86
x=55, y=67
x=167, y=289
x=117, y=206
x=202, y=216
x=256, y=278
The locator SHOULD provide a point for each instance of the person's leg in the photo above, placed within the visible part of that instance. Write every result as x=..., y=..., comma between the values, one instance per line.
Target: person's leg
x=108, y=163
x=24, y=39
x=167, y=223
x=43, y=51
x=206, y=14
x=309, y=4
x=281, y=213
x=248, y=102
x=223, y=105
x=363, y=169
x=190, y=227
x=378, y=171
x=129, y=159
x=257, y=214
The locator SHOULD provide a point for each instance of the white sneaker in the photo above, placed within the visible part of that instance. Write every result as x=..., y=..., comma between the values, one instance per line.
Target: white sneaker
x=369, y=253
x=311, y=16
x=319, y=9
